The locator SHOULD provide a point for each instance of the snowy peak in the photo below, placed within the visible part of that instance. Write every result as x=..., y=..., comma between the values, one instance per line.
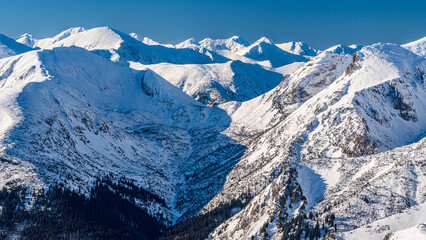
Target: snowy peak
x=10, y=47
x=47, y=42
x=263, y=40
x=418, y=47
x=233, y=44
x=341, y=49
x=265, y=50
x=120, y=47
x=189, y=43
x=92, y=39
x=298, y=48
x=27, y=39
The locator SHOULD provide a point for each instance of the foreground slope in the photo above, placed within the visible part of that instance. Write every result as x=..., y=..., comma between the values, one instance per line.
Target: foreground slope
x=97, y=118
x=364, y=111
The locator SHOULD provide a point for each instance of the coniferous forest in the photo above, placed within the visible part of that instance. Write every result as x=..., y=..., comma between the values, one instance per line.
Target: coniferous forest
x=108, y=213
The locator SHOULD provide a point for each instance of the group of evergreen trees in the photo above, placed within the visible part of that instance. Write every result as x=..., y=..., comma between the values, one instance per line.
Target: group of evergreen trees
x=200, y=226
x=108, y=213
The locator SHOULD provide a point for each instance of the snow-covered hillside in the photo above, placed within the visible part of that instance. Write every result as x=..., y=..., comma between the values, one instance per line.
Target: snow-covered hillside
x=360, y=112
x=234, y=140
x=9, y=47
x=418, y=47
x=217, y=83
x=95, y=117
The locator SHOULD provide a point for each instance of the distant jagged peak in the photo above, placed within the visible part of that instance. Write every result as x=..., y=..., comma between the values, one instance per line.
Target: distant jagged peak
x=189, y=43
x=27, y=39
x=91, y=39
x=47, y=42
x=69, y=32
x=342, y=49
x=10, y=47
x=234, y=44
x=418, y=46
x=263, y=40
x=299, y=48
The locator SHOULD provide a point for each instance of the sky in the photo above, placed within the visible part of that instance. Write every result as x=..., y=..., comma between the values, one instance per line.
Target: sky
x=319, y=23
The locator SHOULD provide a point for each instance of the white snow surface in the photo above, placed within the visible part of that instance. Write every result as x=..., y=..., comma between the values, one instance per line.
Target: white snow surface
x=9, y=47
x=217, y=83
x=418, y=47
x=265, y=50
x=298, y=48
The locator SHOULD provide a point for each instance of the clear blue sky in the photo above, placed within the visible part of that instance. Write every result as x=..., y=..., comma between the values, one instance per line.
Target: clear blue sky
x=319, y=23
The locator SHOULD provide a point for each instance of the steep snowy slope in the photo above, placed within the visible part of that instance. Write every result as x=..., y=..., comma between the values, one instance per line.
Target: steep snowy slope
x=265, y=50
x=418, y=47
x=96, y=118
x=370, y=192
x=27, y=39
x=9, y=47
x=121, y=47
x=266, y=110
x=406, y=225
x=233, y=44
x=213, y=84
x=363, y=111
x=298, y=48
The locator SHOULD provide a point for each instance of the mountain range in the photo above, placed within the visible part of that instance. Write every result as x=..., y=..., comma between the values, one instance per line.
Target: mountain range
x=216, y=139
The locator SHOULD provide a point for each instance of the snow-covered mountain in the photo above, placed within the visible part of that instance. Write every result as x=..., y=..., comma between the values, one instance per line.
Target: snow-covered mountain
x=189, y=43
x=47, y=42
x=233, y=44
x=148, y=41
x=9, y=47
x=121, y=47
x=217, y=83
x=265, y=50
x=95, y=118
x=342, y=49
x=221, y=139
x=363, y=111
x=27, y=39
x=298, y=48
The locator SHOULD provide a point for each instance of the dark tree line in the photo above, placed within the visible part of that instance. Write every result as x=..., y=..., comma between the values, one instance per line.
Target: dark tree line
x=200, y=226
x=109, y=212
